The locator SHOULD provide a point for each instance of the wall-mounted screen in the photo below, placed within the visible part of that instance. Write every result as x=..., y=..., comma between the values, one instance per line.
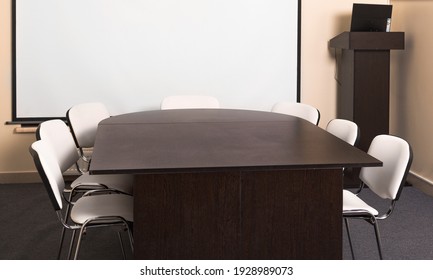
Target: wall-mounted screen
x=129, y=54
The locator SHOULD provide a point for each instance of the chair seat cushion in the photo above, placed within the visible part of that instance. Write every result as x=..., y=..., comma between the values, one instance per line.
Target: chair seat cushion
x=353, y=204
x=121, y=182
x=104, y=205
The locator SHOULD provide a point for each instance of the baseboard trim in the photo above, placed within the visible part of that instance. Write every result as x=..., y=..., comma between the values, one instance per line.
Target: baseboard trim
x=421, y=183
x=19, y=177
x=29, y=177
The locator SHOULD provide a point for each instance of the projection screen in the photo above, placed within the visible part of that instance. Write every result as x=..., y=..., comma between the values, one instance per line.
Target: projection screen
x=129, y=54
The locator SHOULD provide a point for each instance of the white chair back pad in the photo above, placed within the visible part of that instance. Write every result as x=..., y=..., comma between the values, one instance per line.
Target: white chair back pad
x=84, y=119
x=51, y=169
x=58, y=134
x=395, y=154
x=299, y=110
x=189, y=102
x=344, y=129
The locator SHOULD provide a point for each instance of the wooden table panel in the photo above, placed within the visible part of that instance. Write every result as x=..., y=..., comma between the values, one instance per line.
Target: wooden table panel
x=292, y=214
x=187, y=216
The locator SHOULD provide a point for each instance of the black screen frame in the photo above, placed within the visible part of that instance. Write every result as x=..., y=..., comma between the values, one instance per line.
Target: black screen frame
x=31, y=121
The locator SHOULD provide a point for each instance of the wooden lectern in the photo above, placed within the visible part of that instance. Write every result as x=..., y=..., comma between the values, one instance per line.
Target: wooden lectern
x=363, y=75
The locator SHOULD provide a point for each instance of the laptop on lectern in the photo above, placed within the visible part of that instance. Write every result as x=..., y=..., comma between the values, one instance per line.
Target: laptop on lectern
x=371, y=18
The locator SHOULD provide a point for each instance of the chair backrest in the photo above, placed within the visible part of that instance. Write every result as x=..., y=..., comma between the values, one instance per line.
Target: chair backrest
x=84, y=119
x=300, y=110
x=346, y=130
x=49, y=170
x=396, y=154
x=59, y=136
x=189, y=102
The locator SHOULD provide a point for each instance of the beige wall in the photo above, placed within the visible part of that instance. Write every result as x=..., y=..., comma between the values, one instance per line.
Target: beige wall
x=321, y=21
x=15, y=160
x=410, y=81
x=412, y=84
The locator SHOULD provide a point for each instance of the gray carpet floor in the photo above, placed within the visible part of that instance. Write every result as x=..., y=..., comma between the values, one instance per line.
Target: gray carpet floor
x=406, y=235
x=30, y=230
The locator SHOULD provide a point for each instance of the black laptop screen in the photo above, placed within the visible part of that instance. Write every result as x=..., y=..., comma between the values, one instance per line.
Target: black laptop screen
x=371, y=17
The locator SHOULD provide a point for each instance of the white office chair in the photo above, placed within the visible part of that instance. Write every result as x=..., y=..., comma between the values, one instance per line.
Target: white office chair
x=189, y=102
x=300, y=110
x=386, y=182
x=83, y=120
x=346, y=130
x=57, y=134
x=96, y=210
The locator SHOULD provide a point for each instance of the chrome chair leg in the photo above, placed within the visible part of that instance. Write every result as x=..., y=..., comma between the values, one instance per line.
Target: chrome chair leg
x=121, y=244
x=77, y=247
x=71, y=245
x=346, y=222
x=82, y=232
x=62, y=236
x=131, y=238
x=376, y=231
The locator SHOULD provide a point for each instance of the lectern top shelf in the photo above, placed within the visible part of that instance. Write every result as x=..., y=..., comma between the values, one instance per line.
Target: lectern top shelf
x=368, y=41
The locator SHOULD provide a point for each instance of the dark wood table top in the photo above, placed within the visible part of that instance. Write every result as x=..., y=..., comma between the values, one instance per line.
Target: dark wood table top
x=216, y=140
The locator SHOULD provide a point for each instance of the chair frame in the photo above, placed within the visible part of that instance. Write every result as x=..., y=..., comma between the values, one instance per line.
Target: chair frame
x=100, y=221
x=82, y=188
x=373, y=219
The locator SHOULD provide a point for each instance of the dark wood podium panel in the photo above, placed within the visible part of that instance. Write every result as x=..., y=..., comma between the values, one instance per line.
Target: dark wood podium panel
x=229, y=184
x=363, y=93
x=364, y=80
x=368, y=41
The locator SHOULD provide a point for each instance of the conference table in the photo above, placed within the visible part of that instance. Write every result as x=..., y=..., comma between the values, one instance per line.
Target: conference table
x=229, y=184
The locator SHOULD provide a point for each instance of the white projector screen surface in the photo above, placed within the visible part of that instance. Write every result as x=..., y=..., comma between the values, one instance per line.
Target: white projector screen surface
x=130, y=54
